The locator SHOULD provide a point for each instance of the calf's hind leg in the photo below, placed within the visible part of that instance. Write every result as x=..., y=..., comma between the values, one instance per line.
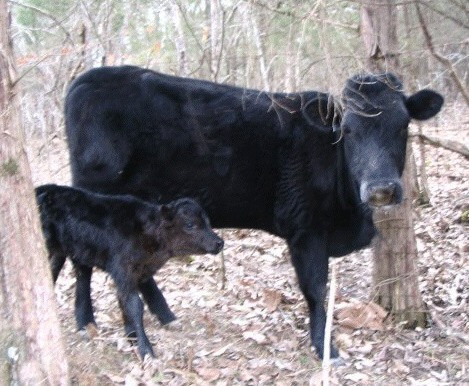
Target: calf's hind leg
x=56, y=261
x=83, y=305
x=156, y=301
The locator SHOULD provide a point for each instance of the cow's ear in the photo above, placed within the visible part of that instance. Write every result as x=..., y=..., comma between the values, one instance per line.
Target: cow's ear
x=322, y=113
x=167, y=212
x=424, y=104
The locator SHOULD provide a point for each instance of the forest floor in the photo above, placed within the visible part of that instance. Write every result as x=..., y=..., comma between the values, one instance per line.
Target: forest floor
x=255, y=330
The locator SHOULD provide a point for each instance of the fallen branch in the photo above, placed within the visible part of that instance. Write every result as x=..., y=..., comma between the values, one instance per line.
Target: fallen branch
x=448, y=144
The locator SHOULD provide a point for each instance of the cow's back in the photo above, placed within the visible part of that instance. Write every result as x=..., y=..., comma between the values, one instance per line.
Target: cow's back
x=159, y=137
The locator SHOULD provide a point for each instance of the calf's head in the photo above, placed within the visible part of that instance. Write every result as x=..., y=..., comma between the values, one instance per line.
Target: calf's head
x=187, y=229
x=374, y=129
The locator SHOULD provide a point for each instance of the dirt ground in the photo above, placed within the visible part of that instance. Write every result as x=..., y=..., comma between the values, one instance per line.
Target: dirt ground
x=254, y=331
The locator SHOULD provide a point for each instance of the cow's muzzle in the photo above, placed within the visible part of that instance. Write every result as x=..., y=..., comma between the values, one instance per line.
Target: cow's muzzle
x=381, y=193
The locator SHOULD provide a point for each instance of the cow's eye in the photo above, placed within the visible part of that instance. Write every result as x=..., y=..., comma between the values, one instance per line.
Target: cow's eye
x=346, y=130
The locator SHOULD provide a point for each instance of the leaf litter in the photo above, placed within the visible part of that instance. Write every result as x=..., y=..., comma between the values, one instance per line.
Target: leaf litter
x=255, y=331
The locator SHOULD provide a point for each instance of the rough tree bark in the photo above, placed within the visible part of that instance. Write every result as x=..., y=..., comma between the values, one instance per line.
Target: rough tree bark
x=31, y=348
x=394, y=273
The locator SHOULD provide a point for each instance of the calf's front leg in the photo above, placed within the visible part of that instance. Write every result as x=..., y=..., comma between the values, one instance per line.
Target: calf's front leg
x=132, y=308
x=308, y=253
x=156, y=301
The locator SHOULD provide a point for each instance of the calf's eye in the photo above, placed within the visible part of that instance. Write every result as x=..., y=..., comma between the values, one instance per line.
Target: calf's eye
x=189, y=225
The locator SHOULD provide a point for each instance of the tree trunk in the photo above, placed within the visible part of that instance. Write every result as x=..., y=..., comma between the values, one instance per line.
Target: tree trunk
x=31, y=348
x=395, y=278
x=379, y=32
x=395, y=254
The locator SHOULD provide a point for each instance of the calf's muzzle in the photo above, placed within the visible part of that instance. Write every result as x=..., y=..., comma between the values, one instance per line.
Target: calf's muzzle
x=214, y=245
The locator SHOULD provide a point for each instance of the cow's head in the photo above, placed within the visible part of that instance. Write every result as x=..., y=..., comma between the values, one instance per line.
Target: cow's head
x=374, y=127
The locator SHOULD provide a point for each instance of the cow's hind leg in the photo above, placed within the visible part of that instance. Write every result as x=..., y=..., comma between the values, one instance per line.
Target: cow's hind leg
x=309, y=258
x=83, y=305
x=156, y=301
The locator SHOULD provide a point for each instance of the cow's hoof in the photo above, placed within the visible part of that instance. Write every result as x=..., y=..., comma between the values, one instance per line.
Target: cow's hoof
x=337, y=362
x=334, y=353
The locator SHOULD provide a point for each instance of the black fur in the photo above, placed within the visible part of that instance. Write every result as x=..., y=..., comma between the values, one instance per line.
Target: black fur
x=253, y=160
x=126, y=237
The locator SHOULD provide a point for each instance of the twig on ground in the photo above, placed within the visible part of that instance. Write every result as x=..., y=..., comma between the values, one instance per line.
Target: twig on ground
x=326, y=363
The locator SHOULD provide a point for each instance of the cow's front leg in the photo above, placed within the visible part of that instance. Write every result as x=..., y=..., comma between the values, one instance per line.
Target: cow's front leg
x=308, y=253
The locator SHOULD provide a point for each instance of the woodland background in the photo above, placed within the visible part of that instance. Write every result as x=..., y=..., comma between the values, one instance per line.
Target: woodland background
x=254, y=331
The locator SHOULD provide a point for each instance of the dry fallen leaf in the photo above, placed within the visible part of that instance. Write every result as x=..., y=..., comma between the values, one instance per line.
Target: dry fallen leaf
x=362, y=315
x=357, y=377
x=91, y=330
x=210, y=374
x=256, y=336
x=272, y=299
x=115, y=379
x=130, y=381
x=222, y=350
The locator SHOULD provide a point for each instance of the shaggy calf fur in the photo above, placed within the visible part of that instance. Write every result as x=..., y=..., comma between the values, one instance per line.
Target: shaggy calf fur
x=126, y=237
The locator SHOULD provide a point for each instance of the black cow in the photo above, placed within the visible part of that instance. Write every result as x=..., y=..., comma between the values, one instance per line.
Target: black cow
x=302, y=166
x=126, y=237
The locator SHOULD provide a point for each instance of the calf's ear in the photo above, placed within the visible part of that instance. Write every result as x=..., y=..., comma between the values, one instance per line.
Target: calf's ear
x=424, y=104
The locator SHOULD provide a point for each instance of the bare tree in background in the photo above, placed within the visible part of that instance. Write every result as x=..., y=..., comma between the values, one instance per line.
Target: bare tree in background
x=179, y=38
x=31, y=347
x=394, y=272
x=251, y=24
x=216, y=37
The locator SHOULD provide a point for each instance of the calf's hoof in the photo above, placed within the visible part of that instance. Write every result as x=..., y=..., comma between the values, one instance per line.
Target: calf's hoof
x=89, y=331
x=166, y=318
x=145, y=351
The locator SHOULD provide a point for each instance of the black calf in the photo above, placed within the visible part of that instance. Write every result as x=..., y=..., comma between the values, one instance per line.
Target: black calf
x=126, y=237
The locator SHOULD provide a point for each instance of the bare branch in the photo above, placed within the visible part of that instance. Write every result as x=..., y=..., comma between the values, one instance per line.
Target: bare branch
x=443, y=60
x=47, y=14
x=445, y=15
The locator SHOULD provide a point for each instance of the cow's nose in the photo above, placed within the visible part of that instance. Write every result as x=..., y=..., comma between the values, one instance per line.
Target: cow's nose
x=383, y=194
